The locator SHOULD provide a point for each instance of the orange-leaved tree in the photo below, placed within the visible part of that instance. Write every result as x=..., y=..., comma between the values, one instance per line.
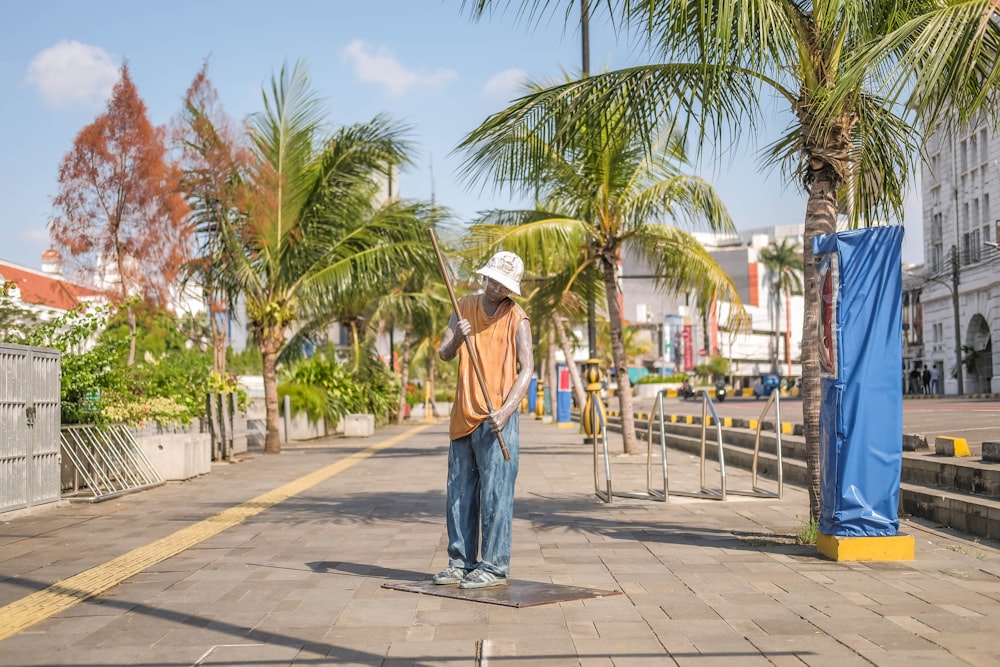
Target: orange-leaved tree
x=118, y=213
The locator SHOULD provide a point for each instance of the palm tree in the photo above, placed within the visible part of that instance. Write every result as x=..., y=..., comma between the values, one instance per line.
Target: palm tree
x=600, y=192
x=784, y=263
x=214, y=163
x=416, y=302
x=862, y=81
x=311, y=229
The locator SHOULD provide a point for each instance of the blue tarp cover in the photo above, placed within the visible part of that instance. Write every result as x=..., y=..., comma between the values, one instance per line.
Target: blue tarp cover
x=861, y=353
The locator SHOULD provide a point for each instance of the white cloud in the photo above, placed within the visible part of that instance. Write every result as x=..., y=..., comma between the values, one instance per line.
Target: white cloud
x=36, y=234
x=506, y=85
x=381, y=67
x=73, y=73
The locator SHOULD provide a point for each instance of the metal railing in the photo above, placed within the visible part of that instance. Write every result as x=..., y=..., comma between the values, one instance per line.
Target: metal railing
x=107, y=462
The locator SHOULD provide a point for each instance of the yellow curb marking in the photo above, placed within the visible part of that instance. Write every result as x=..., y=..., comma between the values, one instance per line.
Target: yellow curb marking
x=62, y=595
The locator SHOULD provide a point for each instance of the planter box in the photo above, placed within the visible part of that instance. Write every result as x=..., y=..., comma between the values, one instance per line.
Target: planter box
x=358, y=426
x=177, y=456
x=650, y=389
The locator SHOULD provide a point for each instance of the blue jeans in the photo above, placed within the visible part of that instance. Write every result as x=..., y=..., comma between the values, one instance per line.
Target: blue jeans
x=481, y=493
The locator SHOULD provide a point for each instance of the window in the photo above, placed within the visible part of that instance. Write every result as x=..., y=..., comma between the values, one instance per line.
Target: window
x=984, y=146
x=986, y=207
x=976, y=251
x=963, y=147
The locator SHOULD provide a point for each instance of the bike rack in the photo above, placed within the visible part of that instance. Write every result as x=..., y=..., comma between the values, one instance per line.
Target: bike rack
x=755, y=490
x=663, y=494
x=606, y=494
x=706, y=406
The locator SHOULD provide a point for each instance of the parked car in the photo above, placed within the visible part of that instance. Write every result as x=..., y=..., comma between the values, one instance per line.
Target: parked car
x=765, y=384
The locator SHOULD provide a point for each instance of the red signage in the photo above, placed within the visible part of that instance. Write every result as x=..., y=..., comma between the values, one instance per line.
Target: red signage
x=829, y=287
x=564, y=379
x=688, y=346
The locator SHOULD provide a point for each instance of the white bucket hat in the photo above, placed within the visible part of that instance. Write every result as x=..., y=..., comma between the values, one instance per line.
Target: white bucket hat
x=506, y=268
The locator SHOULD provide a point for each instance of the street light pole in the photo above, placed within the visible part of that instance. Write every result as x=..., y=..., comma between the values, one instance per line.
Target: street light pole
x=952, y=286
x=958, y=321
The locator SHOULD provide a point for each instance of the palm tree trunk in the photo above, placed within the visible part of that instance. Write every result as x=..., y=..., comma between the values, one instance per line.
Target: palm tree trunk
x=574, y=372
x=272, y=439
x=431, y=385
x=821, y=218
x=788, y=331
x=553, y=379
x=130, y=314
x=404, y=372
x=618, y=355
x=775, y=353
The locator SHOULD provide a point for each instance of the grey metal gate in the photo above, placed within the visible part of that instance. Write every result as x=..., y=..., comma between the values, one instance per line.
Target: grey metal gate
x=29, y=426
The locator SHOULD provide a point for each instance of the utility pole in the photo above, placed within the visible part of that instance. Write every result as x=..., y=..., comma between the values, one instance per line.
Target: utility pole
x=958, y=320
x=585, y=72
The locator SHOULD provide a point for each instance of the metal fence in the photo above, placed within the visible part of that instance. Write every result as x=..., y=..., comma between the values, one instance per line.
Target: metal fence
x=29, y=426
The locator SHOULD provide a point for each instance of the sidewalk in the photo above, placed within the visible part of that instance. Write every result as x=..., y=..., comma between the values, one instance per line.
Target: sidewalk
x=197, y=575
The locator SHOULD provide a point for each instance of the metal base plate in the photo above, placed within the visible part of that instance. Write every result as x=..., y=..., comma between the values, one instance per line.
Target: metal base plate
x=514, y=594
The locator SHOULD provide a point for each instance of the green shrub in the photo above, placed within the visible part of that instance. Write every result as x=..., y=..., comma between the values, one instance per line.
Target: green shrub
x=303, y=398
x=660, y=379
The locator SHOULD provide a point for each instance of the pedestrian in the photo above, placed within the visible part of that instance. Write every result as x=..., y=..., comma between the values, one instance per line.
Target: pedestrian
x=480, y=490
x=915, y=380
x=935, y=381
x=926, y=378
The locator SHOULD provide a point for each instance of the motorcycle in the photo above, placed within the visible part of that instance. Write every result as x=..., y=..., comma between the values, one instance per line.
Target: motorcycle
x=720, y=391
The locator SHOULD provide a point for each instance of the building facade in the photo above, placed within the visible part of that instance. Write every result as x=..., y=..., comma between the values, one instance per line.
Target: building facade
x=960, y=280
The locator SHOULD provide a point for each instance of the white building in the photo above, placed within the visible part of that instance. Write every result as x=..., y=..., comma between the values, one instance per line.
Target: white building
x=960, y=281
x=682, y=337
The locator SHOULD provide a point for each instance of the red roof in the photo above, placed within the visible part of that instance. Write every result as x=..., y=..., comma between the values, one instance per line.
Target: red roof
x=43, y=289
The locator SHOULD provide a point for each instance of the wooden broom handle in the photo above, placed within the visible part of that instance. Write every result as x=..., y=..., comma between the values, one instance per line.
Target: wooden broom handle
x=473, y=355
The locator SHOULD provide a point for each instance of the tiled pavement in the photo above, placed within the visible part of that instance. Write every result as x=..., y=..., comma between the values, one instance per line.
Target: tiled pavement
x=300, y=581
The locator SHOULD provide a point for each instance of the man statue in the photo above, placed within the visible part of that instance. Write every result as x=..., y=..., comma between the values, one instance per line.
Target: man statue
x=480, y=482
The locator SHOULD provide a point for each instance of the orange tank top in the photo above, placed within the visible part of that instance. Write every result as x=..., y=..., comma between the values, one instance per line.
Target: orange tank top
x=494, y=340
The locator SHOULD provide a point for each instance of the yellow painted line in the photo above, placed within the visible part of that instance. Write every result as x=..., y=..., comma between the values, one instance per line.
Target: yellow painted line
x=753, y=424
x=62, y=595
x=787, y=427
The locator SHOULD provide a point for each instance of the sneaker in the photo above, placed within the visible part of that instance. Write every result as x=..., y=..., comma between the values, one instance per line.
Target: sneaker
x=482, y=579
x=450, y=575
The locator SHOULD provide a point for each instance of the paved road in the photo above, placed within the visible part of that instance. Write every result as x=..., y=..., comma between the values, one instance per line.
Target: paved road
x=975, y=420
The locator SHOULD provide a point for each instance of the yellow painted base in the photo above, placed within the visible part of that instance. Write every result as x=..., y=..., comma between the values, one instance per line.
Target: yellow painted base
x=895, y=547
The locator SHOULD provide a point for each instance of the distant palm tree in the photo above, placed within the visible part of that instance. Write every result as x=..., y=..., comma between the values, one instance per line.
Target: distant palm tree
x=312, y=229
x=600, y=192
x=862, y=80
x=784, y=265
x=215, y=164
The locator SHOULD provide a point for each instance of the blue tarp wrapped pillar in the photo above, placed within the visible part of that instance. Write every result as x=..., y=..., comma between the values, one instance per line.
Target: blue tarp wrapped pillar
x=533, y=394
x=861, y=352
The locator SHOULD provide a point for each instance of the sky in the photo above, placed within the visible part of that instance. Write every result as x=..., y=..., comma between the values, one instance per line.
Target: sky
x=426, y=63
